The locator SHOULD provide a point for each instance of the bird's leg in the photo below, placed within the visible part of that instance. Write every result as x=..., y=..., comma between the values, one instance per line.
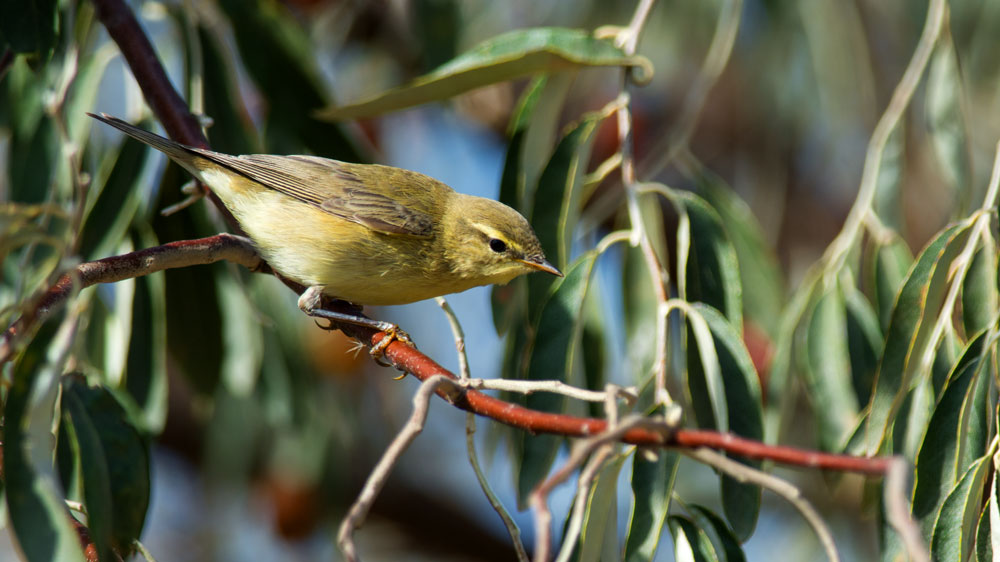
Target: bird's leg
x=311, y=302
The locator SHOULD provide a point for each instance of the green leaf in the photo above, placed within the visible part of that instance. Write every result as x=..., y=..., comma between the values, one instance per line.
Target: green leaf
x=936, y=463
x=29, y=26
x=146, y=365
x=909, y=329
x=979, y=290
x=107, y=222
x=277, y=56
x=515, y=54
x=984, y=546
x=652, y=485
x=761, y=279
x=119, y=452
x=741, y=502
x=599, y=533
x=691, y=544
x=193, y=313
x=946, y=120
x=864, y=342
x=39, y=520
x=639, y=296
x=727, y=546
x=96, y=482
x=438, y=25
x=955, y=527
x=891, y=260
x=553, y=356
x=828, y=368
x=888, y=203
x=713, y=272
x=232, y=131
x=557, y=201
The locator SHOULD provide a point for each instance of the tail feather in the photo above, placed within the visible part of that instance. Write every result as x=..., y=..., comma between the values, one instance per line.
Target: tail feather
x=180, y=153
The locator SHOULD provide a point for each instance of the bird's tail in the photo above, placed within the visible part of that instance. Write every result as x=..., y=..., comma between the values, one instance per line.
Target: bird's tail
x=180, y=153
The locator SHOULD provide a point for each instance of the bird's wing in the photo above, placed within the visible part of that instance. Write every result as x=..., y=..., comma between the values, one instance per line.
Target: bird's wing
x=333, y=187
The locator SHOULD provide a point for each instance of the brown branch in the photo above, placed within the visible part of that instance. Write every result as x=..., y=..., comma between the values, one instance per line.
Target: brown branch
x=166, y=103
x=133, y=264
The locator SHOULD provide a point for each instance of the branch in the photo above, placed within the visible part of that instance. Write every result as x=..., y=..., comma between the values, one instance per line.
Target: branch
x=185, y=253
x=783, y=488
x=166, y=103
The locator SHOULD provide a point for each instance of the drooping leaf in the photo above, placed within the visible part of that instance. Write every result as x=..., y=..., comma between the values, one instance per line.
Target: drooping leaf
x=652, y=485
x=146, y=365
x=727, y=546
x=515, y=54
x=741, y=502
x=231, y=131
x=979, y=291
x=946, y=120
x=713, y=272
x=119, y=453
x=557, y=201
x=909, y=329
x=828, y=367
x=553, y=355
x=955, y=527
x=276, y=55
x=39, y=519
x=761, y=280
x=936, y=463
x=691, y=544
x=864, y=342
x=599, y=534
x=890, y=262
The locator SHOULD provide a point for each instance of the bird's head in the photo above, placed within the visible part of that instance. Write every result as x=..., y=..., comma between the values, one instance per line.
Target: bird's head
x=490, y=243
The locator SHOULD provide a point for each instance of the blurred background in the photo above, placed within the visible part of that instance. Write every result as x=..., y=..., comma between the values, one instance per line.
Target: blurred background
x=268, y=431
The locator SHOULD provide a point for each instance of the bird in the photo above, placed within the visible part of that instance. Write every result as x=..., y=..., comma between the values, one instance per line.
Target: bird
x=367, y=234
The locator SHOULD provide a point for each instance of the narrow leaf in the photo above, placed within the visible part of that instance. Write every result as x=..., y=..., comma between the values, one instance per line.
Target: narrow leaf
x=515, y=54
x=912, y=320
x=553, y=356
x=652, y=485
x=955, y=528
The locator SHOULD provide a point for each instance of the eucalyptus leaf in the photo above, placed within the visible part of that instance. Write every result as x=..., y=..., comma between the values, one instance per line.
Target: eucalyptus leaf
x=980, y=301
x=652, y=486
x=913, y=316
x=946, y=119
x=515, y=54
x=828, y=367
x=601, y=514
x=553, y=355
x=761, y=280
x=741, y=502
x=955, y=527
x=937, y=468
x=691, y=544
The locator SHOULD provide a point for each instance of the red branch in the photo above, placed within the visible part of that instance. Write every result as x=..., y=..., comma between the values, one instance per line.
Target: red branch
x=408, y=359
x=172, y=111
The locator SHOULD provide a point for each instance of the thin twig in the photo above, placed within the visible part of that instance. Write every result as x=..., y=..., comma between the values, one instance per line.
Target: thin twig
x=898, y=510
x=841, y=246
x=380, y=474
x=750, y=475
x=470, y=433
x=629, y=394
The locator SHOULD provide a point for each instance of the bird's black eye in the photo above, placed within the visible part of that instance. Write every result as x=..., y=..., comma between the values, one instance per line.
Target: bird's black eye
x=498, y=245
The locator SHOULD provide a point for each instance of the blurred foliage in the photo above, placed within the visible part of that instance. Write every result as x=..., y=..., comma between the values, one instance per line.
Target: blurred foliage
x=882, y=340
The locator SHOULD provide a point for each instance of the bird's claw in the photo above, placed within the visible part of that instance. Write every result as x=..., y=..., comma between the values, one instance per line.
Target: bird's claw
x=392, y=334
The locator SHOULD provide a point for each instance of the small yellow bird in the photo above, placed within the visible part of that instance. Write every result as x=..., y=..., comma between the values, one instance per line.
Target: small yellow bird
x=366, y=234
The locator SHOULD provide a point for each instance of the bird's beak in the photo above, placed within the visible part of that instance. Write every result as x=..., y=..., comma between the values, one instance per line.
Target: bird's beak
x=541, y=264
